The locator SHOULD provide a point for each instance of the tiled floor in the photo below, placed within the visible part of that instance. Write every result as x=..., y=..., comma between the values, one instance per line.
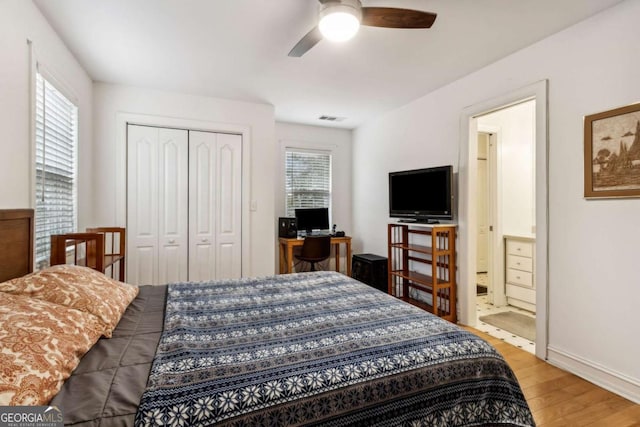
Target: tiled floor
x=483, y=308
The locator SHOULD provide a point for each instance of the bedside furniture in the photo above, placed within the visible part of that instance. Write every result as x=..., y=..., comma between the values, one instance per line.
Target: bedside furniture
x=370, y=269
x=114, y=249
x=100, y=248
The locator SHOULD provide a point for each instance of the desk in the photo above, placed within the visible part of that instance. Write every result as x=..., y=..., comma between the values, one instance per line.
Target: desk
x=286, y=252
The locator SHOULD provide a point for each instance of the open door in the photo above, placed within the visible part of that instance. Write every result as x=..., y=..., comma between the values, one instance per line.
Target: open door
x=482, y=260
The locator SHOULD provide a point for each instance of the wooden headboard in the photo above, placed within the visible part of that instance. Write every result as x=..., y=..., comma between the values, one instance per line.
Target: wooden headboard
x=16, y=243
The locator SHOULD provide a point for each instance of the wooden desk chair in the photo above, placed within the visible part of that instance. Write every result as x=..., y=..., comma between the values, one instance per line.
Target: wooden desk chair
x=315, y=249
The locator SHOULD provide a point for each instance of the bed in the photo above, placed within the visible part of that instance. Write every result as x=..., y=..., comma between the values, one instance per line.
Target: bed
x=299, y=349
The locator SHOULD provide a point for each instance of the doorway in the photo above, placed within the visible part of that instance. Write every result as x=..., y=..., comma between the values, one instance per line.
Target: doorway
x=506, y=195
x=506, y=200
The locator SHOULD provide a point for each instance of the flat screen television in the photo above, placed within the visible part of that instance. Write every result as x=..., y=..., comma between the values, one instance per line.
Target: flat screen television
x=309, y=219
x=422, y=195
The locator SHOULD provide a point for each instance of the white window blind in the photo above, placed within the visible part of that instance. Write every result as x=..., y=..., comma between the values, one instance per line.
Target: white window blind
x=307, y=180
x=56, y=120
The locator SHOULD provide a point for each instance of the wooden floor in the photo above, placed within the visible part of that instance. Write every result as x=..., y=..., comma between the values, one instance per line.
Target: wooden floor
x=558, y=398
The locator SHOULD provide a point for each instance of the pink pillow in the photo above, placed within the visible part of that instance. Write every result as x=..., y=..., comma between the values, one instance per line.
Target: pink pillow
x=77, y=287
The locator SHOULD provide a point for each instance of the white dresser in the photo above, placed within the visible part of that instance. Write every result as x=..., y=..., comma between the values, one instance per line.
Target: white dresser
x=520, y=284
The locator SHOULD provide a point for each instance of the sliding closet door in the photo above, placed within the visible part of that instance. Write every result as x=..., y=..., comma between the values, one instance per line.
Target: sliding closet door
x=173, y=198
x=215, y=178
x=142, y=193
x=184, y=199
x=228, y=207
x=157, y=203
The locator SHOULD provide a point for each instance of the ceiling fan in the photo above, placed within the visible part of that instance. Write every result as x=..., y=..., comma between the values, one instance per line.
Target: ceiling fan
x=339, y=20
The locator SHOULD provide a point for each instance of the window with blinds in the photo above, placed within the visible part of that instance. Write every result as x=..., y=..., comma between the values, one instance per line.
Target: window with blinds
x=307, y=180
x=56, y=122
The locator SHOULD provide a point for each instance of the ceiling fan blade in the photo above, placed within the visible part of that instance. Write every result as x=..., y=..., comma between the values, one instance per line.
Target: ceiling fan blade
x=306, y=43
x=390, y=17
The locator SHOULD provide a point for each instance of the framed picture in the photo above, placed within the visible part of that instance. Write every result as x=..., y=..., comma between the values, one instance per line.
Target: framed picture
x=612, y=153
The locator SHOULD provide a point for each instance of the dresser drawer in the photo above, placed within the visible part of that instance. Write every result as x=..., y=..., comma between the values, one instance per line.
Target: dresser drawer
x=522, y=278
x=520, y=263
x=526, y=295
x=516, y=247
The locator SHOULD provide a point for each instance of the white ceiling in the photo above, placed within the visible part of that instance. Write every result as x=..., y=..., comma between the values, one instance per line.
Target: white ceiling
x=238, y=49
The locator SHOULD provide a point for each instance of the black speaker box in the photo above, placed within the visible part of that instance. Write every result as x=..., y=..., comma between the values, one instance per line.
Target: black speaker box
x=287, y=227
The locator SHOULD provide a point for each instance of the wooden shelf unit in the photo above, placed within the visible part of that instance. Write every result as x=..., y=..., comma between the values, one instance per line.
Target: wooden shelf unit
x=100, y=248
x=423, y=267
x=114, y=250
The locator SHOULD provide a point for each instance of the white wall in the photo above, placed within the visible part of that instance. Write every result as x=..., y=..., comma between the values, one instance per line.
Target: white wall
x=594, y=284
x=21, y=20
x=516, y=163
x=113, y=102
x=393, y=142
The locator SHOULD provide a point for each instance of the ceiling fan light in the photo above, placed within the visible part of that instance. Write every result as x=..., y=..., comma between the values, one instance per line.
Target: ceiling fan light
x=339, y=23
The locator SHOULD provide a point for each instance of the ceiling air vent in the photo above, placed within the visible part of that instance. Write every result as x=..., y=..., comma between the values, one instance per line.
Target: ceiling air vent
x=331, y=118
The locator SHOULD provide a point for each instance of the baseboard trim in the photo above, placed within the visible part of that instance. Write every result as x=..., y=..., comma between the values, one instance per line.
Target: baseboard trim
x=615, y=382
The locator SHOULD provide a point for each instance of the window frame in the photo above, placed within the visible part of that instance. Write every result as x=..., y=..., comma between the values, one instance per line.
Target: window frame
x=38, y=68
x=308, y=150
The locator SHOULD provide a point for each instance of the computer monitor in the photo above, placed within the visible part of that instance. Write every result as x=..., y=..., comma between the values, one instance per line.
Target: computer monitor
x=310, y=219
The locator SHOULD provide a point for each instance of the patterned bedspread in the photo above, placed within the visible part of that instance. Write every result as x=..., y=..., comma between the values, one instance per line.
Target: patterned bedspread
x=320, y=349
